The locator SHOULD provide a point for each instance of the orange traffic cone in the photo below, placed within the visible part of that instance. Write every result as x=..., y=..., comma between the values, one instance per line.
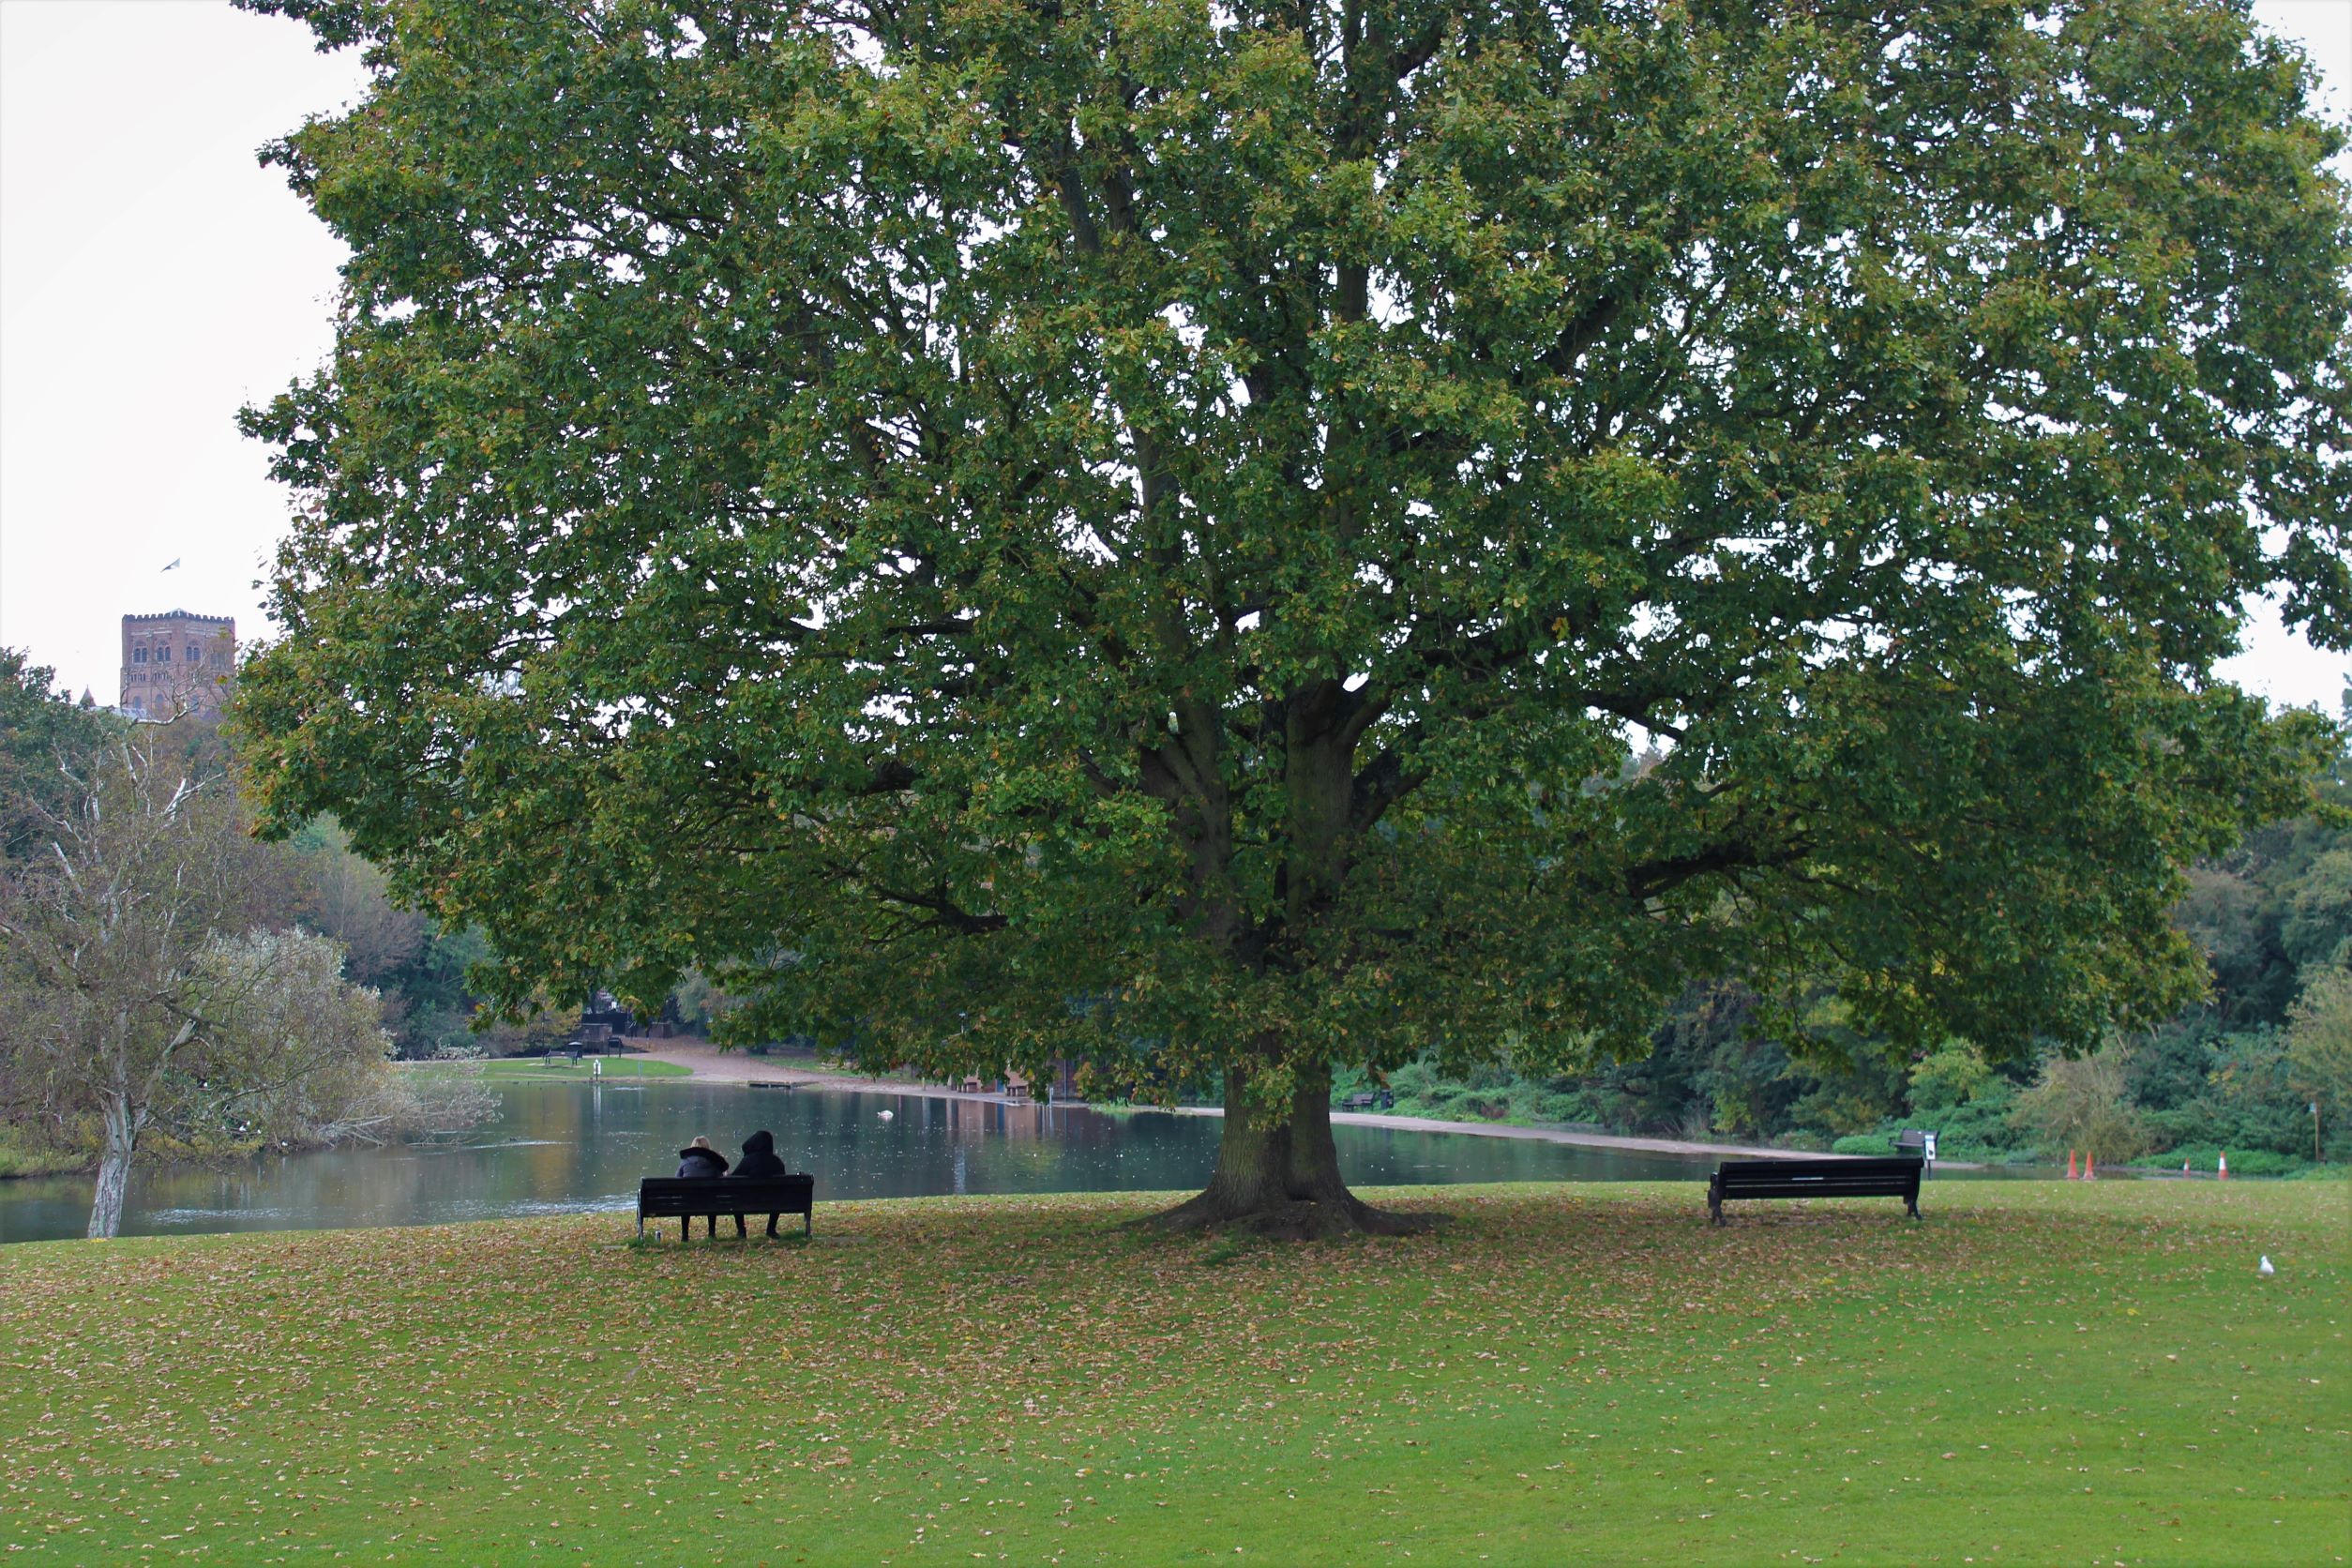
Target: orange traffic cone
x=2091, y=1173
x=2224, y=1168
x=2071, y=1173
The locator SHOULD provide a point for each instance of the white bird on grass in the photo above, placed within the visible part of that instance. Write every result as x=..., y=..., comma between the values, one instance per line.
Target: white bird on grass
x=2265, y=1270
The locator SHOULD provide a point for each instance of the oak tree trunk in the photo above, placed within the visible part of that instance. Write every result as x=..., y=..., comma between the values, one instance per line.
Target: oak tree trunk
x=1278, y=1172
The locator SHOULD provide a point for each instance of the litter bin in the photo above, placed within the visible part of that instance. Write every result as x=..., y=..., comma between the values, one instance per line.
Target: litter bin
x=1915, y=1140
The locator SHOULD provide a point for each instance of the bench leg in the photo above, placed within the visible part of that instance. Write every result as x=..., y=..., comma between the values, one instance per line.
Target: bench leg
x=808, y=1223
x=740, y=1231
x=1912, y=1203
x=640, y=1227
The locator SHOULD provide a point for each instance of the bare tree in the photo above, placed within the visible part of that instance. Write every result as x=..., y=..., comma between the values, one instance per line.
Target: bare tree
x=297, y=1054
x=116, y=1001
x=350, y=901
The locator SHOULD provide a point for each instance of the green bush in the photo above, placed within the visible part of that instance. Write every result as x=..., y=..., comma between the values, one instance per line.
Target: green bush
x=2249, y=1100
x=1549, y=1104
x=22, y=1154
x=2242, y=1162
x=2184, y=1126
x=1866, y=1143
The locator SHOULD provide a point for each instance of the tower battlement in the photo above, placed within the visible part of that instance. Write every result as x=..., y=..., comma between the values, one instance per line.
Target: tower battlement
x=177, y=662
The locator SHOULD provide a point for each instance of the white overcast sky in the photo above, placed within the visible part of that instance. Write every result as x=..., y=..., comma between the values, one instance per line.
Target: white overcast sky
x=153, y=279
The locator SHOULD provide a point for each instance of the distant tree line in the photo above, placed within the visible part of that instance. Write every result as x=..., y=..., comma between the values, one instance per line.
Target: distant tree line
x=2237, y=1072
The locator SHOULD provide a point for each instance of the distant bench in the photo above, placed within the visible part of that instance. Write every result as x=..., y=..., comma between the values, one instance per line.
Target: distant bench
x=687, y=1199
x=1849, y=1178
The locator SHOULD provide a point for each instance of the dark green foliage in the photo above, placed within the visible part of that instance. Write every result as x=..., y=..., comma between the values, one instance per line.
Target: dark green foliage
x=40, y=729
x=2245, y=1101
x=2243, y=1161
x=921, y=510
x=1980, y=1130
x=1864, y=1143
x=2261, y=914
x=2318, y=926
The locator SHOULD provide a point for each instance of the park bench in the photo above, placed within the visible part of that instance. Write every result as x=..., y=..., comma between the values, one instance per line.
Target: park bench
x=687, y=1199
x=1844, y=1178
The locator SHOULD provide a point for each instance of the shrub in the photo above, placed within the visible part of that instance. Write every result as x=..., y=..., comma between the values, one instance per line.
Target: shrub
x=2319, y=1052
x=1984, y=1127
x=2242, y=1162
x=2081, y=1103
x=1866, y=1143
x=1552, y=1105
x=1948, y=1078
x=2248, y=1098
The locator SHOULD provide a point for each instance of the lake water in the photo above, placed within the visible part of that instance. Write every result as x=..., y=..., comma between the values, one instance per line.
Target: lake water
x=562, y=1148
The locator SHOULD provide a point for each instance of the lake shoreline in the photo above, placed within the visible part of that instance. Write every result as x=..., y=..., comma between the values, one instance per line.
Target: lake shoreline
x=711, y=1064
x=565, y=1142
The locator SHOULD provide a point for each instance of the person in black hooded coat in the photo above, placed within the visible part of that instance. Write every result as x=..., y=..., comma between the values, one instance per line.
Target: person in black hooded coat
x=759, y=1159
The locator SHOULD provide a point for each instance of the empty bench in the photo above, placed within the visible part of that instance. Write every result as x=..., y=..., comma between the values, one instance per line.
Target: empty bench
x=687, y=1199
x=1740, y=1180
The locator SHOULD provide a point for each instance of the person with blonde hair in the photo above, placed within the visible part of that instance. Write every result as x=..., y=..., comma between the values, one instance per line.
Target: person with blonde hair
x=698, y=1159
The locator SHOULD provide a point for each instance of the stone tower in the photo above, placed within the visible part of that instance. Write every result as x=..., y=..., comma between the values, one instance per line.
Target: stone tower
x=177, y=663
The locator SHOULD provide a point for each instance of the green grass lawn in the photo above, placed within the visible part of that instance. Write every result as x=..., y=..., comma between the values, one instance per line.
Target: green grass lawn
x=2039, y=1373
x=539, y=1069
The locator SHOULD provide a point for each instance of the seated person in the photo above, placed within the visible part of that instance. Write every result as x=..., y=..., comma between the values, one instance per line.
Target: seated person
x=759, y=1159
x=698, y=1159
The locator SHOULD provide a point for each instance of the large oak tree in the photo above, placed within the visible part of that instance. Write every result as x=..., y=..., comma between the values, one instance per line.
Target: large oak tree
x=1154, y=529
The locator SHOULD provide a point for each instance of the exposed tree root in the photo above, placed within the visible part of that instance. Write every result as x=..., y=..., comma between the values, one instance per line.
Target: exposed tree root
x=1292, y=1219
x=1279, y=1174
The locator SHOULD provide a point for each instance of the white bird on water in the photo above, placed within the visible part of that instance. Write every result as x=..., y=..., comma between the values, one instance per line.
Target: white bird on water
x=2266, y=1271
x=886, y=1115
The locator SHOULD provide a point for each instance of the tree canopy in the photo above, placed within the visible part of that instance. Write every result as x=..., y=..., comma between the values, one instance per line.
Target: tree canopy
x=43, y=734
x=1157, y=530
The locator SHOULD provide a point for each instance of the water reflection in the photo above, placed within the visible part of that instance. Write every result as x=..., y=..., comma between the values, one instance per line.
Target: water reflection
x=560, y=1147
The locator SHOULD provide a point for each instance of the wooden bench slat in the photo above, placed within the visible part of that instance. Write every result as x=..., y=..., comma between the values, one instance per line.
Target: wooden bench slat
x=1734, y=1180
x=690, y=1198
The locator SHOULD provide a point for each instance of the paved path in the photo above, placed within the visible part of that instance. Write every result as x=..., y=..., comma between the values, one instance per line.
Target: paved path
x=733, y=1066
x=709, y=1062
